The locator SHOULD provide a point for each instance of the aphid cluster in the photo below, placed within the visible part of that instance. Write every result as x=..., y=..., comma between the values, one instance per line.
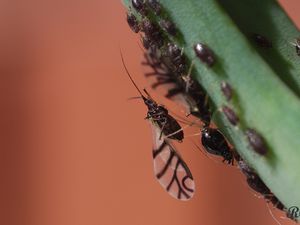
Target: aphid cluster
x=170, y=66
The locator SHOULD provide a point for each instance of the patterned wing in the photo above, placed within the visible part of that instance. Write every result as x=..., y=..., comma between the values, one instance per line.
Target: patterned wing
x=169, y=168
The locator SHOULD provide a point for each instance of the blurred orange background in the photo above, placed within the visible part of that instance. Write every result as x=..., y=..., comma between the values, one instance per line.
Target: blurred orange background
x=74, y=150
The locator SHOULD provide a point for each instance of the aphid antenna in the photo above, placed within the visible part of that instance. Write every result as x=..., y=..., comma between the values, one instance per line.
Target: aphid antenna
x=132, y=81
x=134, y=98
x=147, y=93
x=184, y=120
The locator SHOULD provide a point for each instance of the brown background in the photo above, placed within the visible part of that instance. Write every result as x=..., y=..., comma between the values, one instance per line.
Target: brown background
x=74, y=150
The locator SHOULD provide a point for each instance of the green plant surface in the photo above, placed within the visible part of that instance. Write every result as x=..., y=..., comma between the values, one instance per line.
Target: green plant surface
x=266, y=82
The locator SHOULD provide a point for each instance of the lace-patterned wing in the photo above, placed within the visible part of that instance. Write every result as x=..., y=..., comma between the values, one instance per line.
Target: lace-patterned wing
x=170, y=170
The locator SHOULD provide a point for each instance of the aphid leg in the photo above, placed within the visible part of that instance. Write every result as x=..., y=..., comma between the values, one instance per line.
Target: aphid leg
x=188, y=79
x=183, y=128
x=182, y=51
x=184, y=120
x=133, y=98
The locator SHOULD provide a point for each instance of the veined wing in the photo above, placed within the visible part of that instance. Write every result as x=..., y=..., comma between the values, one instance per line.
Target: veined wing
x=170, y=170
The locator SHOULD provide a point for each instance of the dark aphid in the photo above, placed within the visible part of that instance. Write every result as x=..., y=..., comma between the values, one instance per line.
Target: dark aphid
x=174, y=52
x=230, y=115
x=276, y=202
x=139, y=6
x=214, y=142
x=253, y=179
x=159, y=114
x=297, y=46
x=200, y=108
x=205, y=54
x=226, y=90
x=146, y=42
x=147, y=27
x=152, y=33
x=152, y=41
x=176, y=57
x=133, y=23
x=258, y=185
x=256, y=141
x=245, y=169
x=262, y=41
x=155, y=6
x=168, y=26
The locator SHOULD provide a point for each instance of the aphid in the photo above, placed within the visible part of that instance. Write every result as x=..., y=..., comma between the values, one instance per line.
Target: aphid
x=152, y=33
x=168, y=26
x=297, y=46
x=243, y=166
x=176, y=56
x=262, y=41
x=205, y=54
x=256, y=141
x=258, y=185
x=226, y=90
x=146, y=42
x=276, y=202
x=133, y=23
x=200, y=108
x=155, y=6
x=253, y=180
x=170, y=170
x=159, y=114
x=230, y=115
x=139, y=6
x=147, y=27
x=214, y=142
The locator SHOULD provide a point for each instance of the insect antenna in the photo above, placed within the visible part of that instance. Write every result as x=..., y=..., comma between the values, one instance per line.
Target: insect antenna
x=184, y=120
x=134, y=98
x=147, y=93
x=132, y=81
